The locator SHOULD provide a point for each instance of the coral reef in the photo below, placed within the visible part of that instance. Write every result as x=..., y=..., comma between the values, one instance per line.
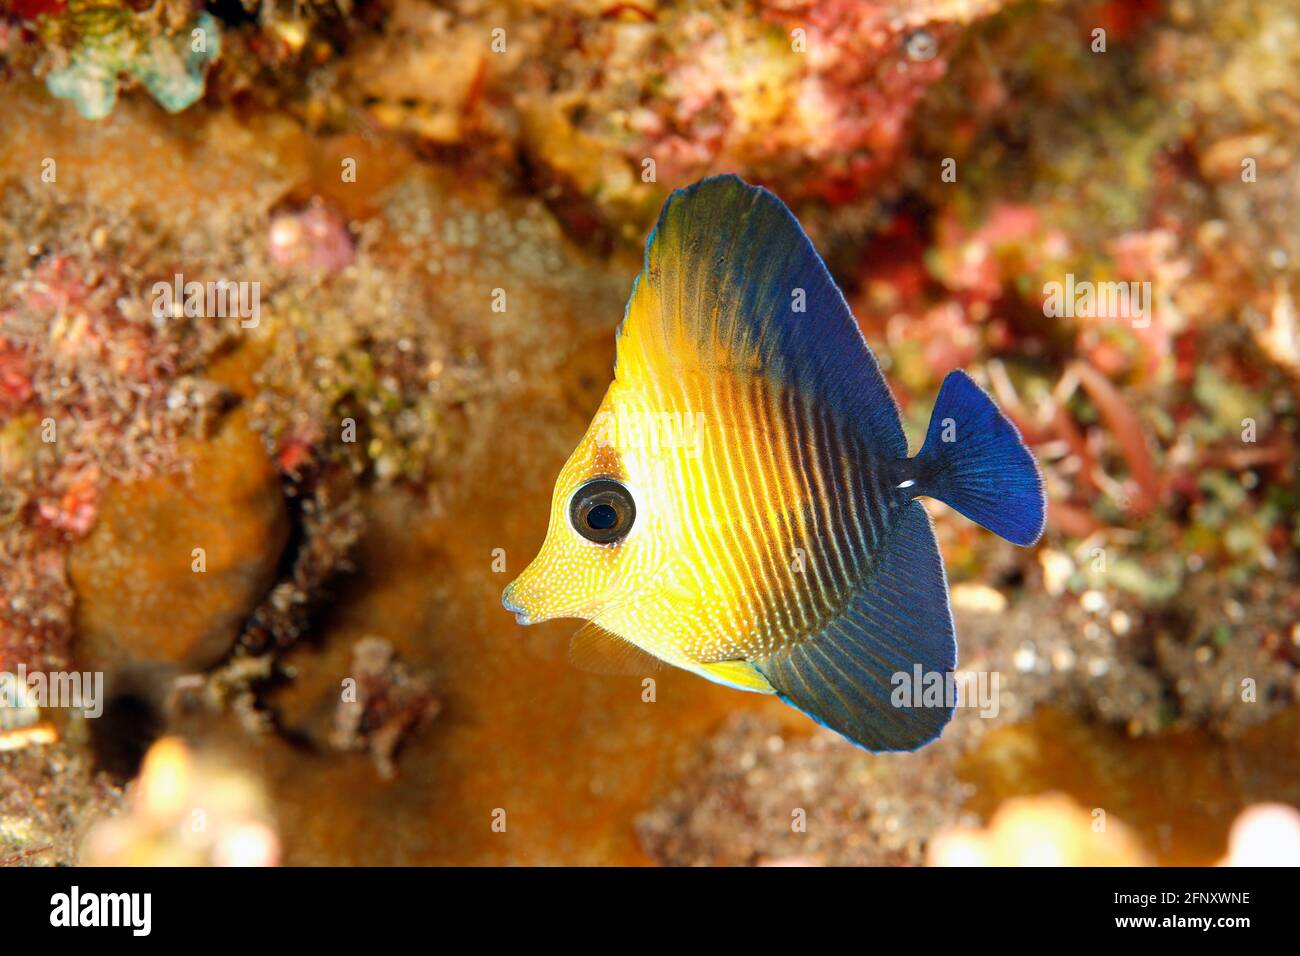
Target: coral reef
x=171, y=67
x=440, y=207
x=381, y=703
x=174, y=565
x=756, y=793
x=1053, y=830
x=1039, y=831
x=47, y=797
x=186, y=808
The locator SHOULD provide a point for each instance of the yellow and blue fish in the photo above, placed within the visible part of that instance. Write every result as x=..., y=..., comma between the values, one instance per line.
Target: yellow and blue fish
x=743, y=505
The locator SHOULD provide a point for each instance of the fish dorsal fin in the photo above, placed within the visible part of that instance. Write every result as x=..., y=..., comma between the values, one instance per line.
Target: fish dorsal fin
x=732, y=285
x=597, y=651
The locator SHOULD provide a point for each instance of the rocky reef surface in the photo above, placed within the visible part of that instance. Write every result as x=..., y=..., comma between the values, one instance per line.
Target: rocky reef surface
x=433, y=213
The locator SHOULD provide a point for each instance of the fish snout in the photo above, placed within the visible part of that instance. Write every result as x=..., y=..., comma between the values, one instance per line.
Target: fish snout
x=510, y=601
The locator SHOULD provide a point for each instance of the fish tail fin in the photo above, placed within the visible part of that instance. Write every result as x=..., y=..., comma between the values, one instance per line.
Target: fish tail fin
x=974, y=461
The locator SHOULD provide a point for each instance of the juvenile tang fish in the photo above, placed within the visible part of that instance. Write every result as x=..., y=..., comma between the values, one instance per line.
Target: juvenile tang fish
x=743, y=506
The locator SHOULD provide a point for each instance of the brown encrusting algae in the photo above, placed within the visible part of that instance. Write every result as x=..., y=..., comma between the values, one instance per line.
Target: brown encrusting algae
x=303, y=306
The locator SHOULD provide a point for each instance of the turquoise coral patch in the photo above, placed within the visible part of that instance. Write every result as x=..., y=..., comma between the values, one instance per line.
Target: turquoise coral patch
x=172, y=68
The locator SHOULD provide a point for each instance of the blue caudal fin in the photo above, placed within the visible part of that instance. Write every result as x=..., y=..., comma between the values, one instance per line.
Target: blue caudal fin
x=974, y=461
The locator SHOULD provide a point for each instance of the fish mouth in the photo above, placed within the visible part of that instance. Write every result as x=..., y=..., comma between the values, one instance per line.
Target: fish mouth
x=524, y=617
x=508, y=602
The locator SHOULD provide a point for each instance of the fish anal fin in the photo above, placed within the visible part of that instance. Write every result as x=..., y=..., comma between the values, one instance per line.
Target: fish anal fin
x=896, y=622
x=598, y=651
x=741, y=675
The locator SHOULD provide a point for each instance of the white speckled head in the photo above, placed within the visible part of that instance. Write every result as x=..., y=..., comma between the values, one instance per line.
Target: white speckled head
x=600, y=543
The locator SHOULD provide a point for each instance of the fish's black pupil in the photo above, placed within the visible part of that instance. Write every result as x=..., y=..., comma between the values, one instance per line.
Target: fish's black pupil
x=602, y=511
x=602, y=517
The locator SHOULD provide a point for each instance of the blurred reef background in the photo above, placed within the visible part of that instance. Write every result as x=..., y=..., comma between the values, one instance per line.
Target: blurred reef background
x=444, y=205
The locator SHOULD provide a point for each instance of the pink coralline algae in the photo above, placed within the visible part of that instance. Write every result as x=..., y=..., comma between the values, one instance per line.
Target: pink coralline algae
x=831, y=84
x=74, y=510
x=15, y=378
x=314, y=238
x=867, y=67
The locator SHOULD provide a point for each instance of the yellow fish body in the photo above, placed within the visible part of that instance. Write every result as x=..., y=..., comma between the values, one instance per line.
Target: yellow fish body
x=743, y=506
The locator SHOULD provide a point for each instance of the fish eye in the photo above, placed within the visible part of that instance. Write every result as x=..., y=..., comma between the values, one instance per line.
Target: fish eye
x=602, y=511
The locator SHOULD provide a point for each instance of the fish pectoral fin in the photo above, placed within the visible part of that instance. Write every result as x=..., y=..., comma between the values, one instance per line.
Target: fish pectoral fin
x=741, y=675
x=854, y=675
x=598, y=651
